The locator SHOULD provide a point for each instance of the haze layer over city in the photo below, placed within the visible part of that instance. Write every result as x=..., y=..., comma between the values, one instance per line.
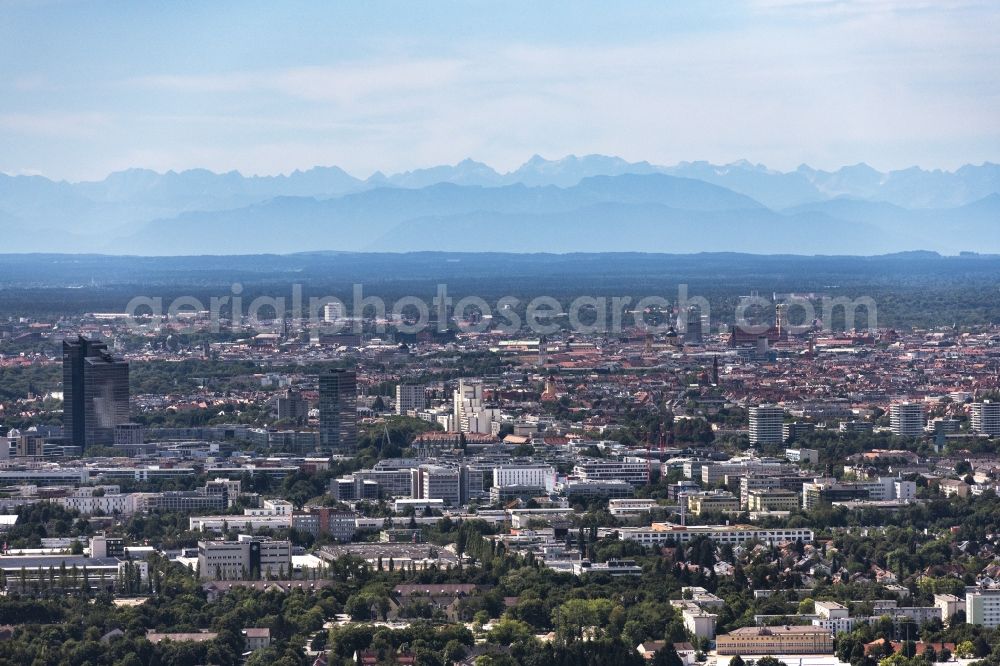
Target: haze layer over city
x=500, y=334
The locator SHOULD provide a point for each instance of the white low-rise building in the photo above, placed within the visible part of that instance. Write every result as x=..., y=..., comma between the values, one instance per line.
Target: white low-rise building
x=224, y=523
x=630, y=506
x=734, y=534
x=541, y=476
x=698, y=621
x=106, y=504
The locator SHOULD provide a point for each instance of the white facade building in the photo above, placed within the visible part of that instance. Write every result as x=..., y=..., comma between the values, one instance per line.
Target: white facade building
x=540, y=476
x=982, y=606
x=630, y=506
x=632, y=470
x=109, y=504
x=986, y=418
x=224, y=523
x=467, y=399
x=333, y=312
x=248, y=558
x=272, y=507
x=437, y=482
x=734, y=534
x=766, y=424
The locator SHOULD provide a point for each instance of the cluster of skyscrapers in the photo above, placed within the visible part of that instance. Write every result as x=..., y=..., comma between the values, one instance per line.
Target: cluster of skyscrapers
x=96, y=399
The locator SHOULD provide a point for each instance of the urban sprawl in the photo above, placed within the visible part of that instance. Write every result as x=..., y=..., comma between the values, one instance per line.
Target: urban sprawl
x=466, y=495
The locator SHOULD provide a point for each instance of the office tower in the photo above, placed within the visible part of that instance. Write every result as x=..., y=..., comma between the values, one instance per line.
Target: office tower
x=467, y=401
x=858, y=427
x=95, y=393
x=129, y=434
x=333, y=312
x=792, y=432
x=766, y=423
x=907, y=419
x=30, y=446
x=410, y=397
x=106, y=398
x=438, y=482
x=248, y=558
x=470, y=413
x=986, y=417
x=292, y=406
x=338, y=416
x=692, y=326
x=74, y=351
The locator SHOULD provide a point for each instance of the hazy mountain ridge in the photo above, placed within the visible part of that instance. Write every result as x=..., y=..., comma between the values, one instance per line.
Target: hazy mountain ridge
x=586, y=203
x=355, y=221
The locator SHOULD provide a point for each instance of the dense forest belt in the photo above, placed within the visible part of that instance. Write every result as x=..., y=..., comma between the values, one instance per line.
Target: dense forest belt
x=912, y=289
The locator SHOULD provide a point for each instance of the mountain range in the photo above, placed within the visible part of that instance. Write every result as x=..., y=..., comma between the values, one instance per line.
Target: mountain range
x=575, y=204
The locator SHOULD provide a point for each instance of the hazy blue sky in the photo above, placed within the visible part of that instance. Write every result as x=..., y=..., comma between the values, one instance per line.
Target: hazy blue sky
x=87, y=88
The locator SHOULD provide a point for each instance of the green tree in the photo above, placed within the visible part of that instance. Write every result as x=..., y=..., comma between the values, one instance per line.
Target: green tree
x=769, y=661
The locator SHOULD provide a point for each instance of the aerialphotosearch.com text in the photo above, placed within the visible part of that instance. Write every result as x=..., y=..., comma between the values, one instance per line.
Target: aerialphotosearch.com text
x=540, y=315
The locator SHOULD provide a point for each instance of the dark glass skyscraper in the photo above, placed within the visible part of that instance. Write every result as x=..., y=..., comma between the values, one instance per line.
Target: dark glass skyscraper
x=95, y=393
x=338, y=416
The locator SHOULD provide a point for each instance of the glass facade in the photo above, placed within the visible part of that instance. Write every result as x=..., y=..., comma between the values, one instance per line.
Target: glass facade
x=95, y=393
x=338, y=417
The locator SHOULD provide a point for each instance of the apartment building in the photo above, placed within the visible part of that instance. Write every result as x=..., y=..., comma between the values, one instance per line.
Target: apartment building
x=410, y=398
x=906, y=419
x=469, y=413
x=985, y=418
x=982, y=606
x=698, y=621
x=766, y=424
x=948, y=604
